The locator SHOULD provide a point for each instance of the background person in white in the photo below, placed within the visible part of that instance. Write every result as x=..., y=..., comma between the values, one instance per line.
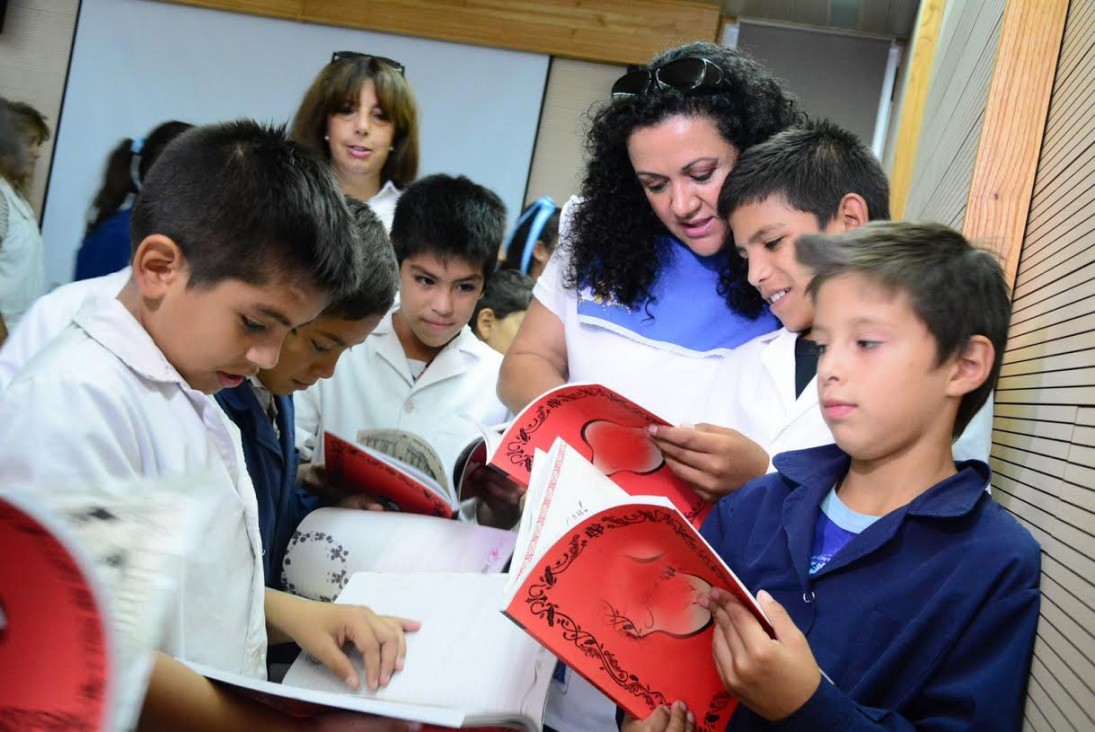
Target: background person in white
x=22, y=256
x=360, y=115
x=422, y=370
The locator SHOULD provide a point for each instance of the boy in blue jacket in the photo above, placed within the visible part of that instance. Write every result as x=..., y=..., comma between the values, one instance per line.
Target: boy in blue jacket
x=262, y=406
x=879, y=559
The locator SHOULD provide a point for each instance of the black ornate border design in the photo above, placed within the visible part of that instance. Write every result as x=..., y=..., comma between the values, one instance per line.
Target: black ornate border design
x=540, y=604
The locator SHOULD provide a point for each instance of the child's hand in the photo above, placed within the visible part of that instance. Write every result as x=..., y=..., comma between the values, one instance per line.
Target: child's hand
x=361, y=502
x=773, y=677
x=663, y=719
x=500, y=501
x=322, y=629
x=715, y=460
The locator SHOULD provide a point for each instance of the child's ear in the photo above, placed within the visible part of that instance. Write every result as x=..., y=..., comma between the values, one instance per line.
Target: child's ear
x=851, y=213
x=484, y=323
x=972, y=366
x=540, y=252
x=157, y=263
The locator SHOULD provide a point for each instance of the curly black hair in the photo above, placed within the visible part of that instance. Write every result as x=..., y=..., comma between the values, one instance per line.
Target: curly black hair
x=614, y=231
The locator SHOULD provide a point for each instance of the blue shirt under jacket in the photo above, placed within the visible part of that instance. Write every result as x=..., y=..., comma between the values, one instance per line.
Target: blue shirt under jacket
x=924, y=621
x=272, y=462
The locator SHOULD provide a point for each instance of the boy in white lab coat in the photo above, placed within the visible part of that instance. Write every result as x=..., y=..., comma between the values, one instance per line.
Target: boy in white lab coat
x=816, y=178
x=240, y=237
x=422, y=369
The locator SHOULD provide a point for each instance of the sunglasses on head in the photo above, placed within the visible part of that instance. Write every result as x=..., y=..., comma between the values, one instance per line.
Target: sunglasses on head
x=690, y=75
x=345, y=55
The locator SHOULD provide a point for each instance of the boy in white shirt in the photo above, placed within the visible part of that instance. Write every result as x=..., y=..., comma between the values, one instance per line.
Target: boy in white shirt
x=422, y=369
x=816, y=178
x=241, y=237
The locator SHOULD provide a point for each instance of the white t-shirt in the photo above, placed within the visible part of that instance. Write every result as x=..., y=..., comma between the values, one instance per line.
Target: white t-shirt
x=373, y=387
x=49, y=315
x=101, y=403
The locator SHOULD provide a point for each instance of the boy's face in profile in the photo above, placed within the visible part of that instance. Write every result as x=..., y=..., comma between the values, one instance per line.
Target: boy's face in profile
x=311, y=351
x=436, y=299
x=880, y=388
x=765, y=234
x=216, y=336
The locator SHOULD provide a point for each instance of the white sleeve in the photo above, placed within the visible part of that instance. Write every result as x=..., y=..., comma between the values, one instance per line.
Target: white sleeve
x=68, y=433
x=306, y=405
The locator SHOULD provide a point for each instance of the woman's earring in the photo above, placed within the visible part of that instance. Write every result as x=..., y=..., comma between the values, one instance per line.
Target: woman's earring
x=327, y=137
x=391, y=148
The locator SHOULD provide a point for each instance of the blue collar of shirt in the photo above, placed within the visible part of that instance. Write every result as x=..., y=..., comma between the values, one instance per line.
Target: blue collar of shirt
x=818, y=468
x=811, y=473
x=688, y=314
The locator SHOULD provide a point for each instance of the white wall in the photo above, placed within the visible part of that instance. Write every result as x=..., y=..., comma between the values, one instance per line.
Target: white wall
x=137, y=63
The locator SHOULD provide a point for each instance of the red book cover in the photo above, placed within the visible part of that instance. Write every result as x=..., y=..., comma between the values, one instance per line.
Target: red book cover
x=54, y=644
x=358, y=469
x=607, y=429
x=615, y=599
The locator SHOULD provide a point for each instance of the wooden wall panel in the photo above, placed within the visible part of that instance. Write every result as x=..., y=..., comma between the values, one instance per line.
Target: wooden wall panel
x=608, y=31
x=1043, y=451
x=953, y=114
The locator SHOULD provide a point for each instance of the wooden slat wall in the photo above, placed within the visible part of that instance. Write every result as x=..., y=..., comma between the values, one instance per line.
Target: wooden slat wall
x=951, y=128
x=1043, y=450
x=609, y=31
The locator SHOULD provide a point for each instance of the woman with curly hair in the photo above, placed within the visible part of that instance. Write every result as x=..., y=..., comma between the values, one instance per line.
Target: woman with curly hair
x=643, y=295
x=360, y=115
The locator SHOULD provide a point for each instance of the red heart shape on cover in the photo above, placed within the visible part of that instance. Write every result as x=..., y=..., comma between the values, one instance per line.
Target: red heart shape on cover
x=617, y=448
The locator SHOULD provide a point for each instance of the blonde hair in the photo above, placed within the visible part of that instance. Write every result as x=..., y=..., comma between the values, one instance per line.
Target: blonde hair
x=338, y=87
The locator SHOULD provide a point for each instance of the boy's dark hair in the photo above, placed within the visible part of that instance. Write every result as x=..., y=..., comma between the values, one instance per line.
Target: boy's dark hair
x=381, y=280
x=242, y=202
x=813, y=166
x=614, y=234
x=452, y=218
x=956, y=289
x=508, y=291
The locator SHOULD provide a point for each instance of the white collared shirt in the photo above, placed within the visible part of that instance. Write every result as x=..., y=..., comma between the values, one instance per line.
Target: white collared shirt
x=49, y=315
x=373, y=387
x=383, y=204
x=101, y=403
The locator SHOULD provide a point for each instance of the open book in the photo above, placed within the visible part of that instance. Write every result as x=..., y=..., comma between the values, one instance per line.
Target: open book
x=393, y=465
x=609, y=582
x=87, y=578
x=331, y=544
x=608, y=429
x=467, y=667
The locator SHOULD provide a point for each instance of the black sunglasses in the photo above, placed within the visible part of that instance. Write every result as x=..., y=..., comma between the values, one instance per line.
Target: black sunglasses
x=690, y=75
x=344, y=55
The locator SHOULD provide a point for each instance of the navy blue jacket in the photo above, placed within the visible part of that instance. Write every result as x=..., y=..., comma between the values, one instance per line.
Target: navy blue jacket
x=272, y=462
x=106, y=248
x=923, y=621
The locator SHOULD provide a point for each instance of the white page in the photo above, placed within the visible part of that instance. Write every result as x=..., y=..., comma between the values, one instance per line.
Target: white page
x=564, y=488
x=467, y=655
x=331, y=544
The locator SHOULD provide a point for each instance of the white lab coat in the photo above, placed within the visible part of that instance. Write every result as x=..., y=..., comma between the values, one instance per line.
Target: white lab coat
x=101, y=403
x=372, y=388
